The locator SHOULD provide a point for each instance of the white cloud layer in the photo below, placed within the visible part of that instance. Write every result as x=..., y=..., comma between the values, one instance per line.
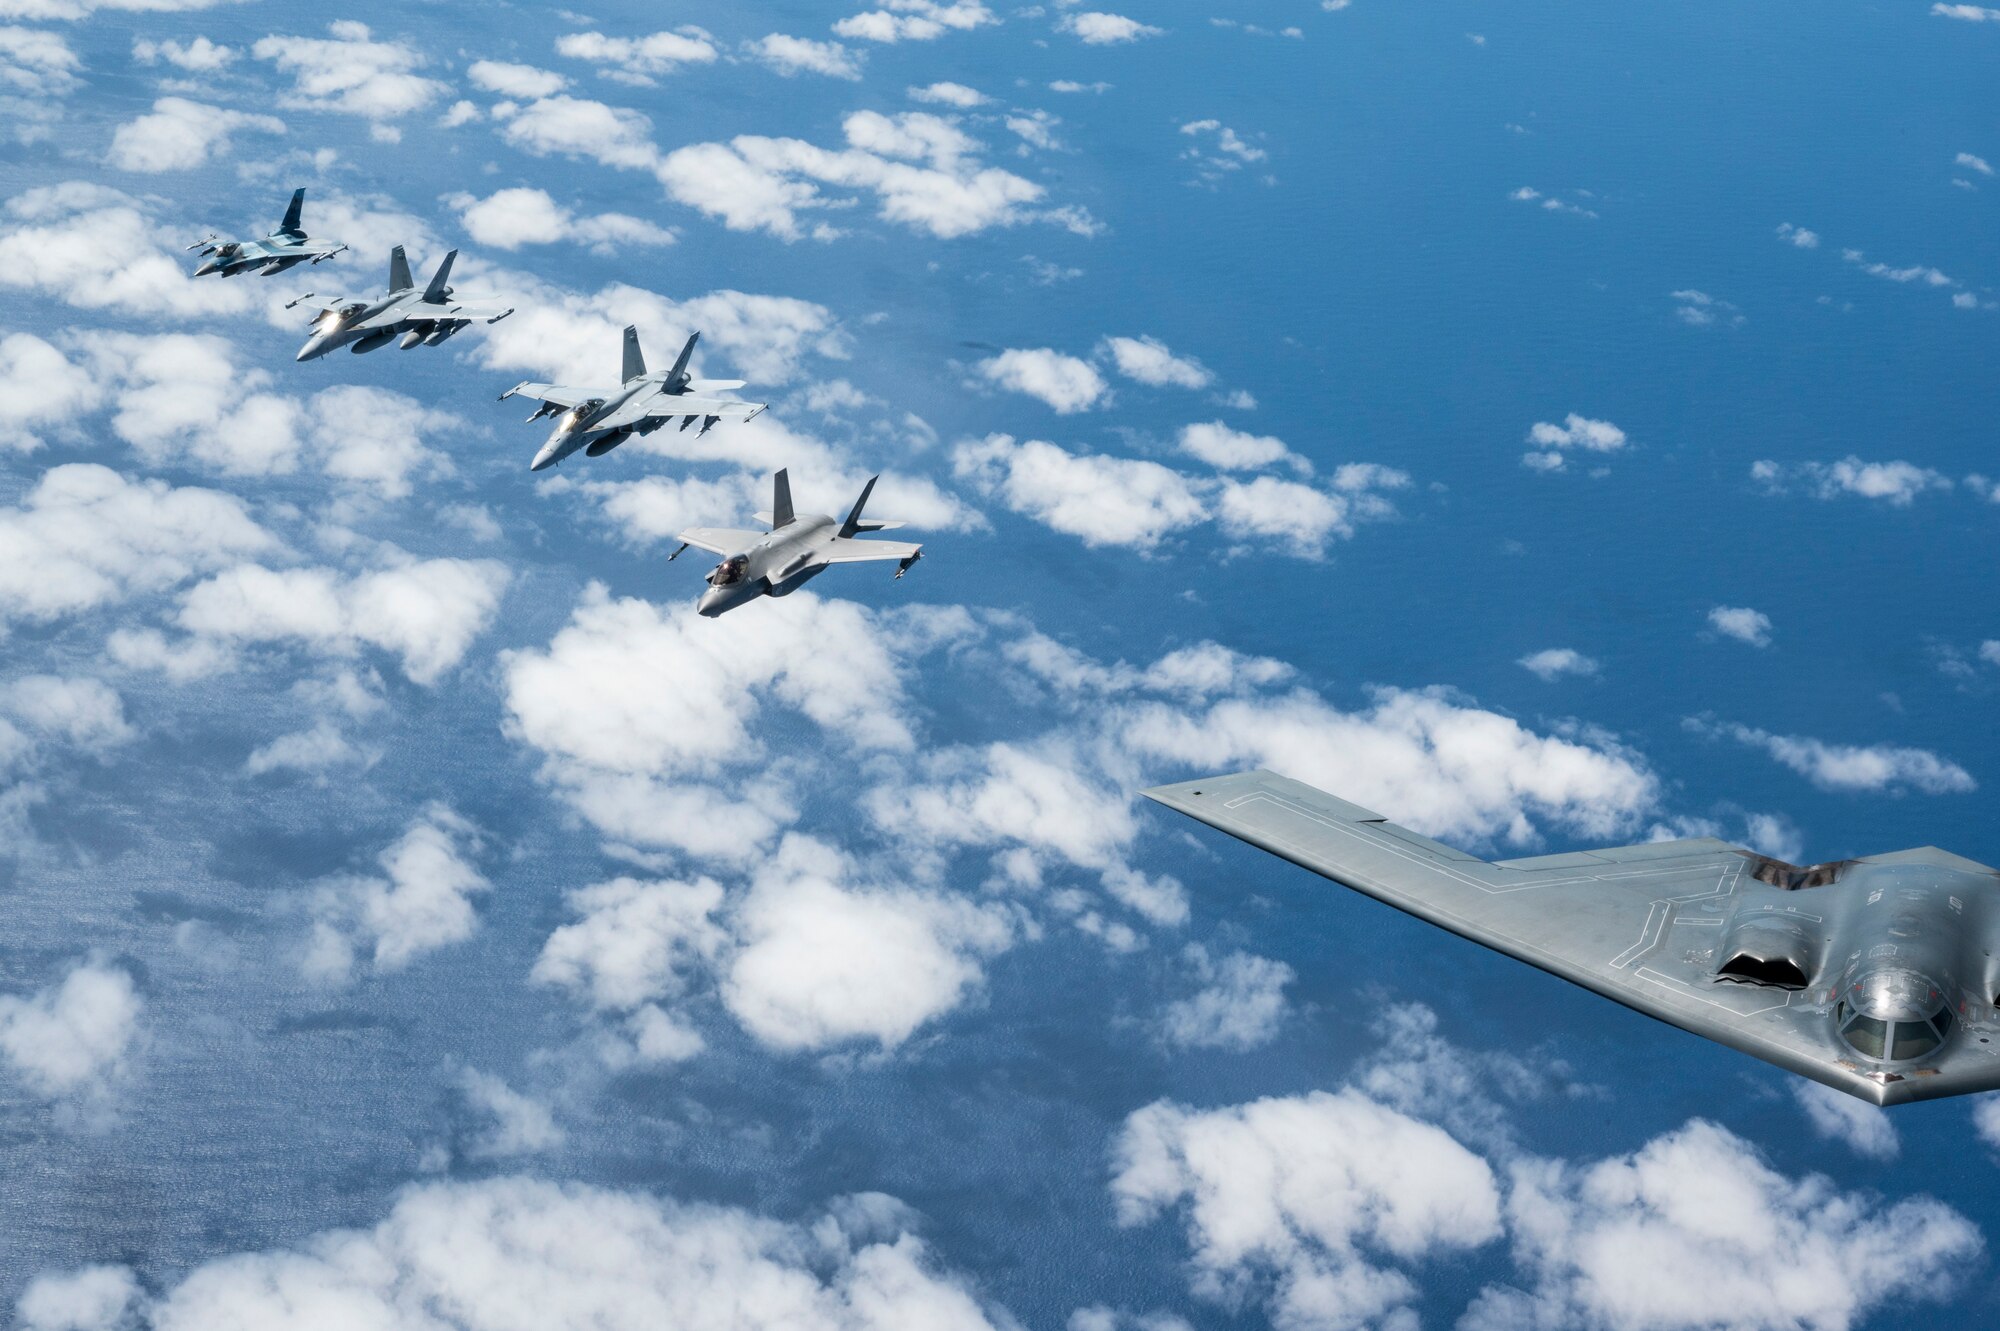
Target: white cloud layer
x=1097, y=28
x=640, y=60
x=1850, y=768
x=914, y=20
x=1065, y=383
x=1553, y=663
x=350, y=71
x=1897, y=483
x=1239, y=1006
x=1741, y=623
x=179, y=135
x=72, y=1037
x=1151, y=361
x=510, y=218
x=790, y=56
x=422, y=901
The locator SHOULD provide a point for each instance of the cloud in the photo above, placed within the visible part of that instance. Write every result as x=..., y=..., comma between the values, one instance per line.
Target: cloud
x=580, y=127
x=1698, y=309
x=1837, y=1116
x=1424, y=758
x=1148, y=360
x=630, y=751
x=637, y=60
x=515, y=1124
x=1696, y=1229
x=94, y=248
x=636, y=942
x=200, y=56
x=1972, y=162
x=1125, y=501
x=510, y=218
x=1551, y=204
x=1915, y=272
x=949, y=94
x=1798, y=235
x=1236, y=450
x=184, y=397
x=1849, y=768
x=1553, y=663
x=1310, y=1204
x=351, y=72
x=426, y=612
x=1741, y=623
x=179, y=135
x=39, y=388
x=1065, y=383
x=823, y=962
x=91, y=1298
x=799, y=55
x=1103, y=500
x=85, y=536
x=310, y=751
x=36, y=63
x=1096, y=28
x=1553, y=442
x=422, y=902
x=86, y=713
x=76, y=9
x=517, y=1252
x=1897, y=483
x=72, y=1038
x=1967, y=13
x=1239, y=1006
x=915, y=20
x=518, y=81
x=1230, y=152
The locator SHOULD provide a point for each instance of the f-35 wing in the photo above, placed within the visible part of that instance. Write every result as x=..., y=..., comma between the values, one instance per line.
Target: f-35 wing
x=721, y=540
x=1643, y=925
x=845, y=550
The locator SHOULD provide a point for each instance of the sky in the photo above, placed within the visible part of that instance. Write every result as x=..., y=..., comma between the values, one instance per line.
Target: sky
x=1549, y=428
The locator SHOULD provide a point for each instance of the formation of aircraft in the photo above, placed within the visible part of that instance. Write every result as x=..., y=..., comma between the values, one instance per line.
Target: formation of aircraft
x=1868, y=975
x=797, y=548
x=597, y=420
x=286, y=248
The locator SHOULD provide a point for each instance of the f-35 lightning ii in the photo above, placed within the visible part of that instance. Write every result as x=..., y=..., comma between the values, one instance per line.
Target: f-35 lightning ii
x=798, y=548
x=1876, y=976
x=426, y=316
x=287, y=247
x=597, y=420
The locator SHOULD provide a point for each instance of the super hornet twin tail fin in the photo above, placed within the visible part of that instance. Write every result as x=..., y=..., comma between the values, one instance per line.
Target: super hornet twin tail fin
x=439, y=291
x=399, y=271
x=635, y=360
x=678, y=379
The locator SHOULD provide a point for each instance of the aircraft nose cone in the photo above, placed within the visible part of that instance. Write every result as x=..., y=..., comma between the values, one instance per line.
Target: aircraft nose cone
x=711, y=604
x=308, y=351
x=206, y=268
x=543, y=460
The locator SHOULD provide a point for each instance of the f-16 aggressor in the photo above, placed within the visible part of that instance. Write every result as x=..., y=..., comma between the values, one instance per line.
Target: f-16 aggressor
x=426, y=316
x=1875, y=976
x=287, y=247
x=797, y=548
x=597, y=420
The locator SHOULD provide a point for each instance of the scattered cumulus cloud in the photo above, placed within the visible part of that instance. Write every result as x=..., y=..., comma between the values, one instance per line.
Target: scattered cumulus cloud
x=1967, y=13
x=350, y=71
x=421, y=901
x=1065, y=383
x=1553, y=663
x=949, y=94
x=1237, y=450
x=1239, y=1006
x=72, y=1037
x=1897, y=483
x=510, y=218
x=1150, y=361
x=1552, y=203
x=1798, y=235
x=1553, y=444
x=512, y=80
x=1849, y=768
x=790, y=56
x=35, y=62
x=1741, y=623
x=1837, y=1116
x=640, y=60
x=1097, y=28
x=1971, y=162
x=914, y=21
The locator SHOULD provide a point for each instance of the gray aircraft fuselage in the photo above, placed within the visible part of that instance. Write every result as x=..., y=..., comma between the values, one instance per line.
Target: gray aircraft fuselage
x=778, y=565
x=574, y=428
x=282, y=250
x=357, y=325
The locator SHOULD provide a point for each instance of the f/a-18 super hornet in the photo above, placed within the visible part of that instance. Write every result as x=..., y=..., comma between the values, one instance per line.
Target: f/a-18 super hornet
x=429, y=315
x=597, y=420
x=797, y=548
x=1877, y=976
x=287, y=247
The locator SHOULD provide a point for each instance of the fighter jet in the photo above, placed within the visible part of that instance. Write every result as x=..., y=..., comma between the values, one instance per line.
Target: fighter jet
x=797, y=548
x=1876, y=976
x=428, y=316
x=597, y=420
x=287, y=247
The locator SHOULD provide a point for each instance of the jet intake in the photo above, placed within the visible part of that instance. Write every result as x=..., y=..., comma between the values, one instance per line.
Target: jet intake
x=599, y=447
x=1771, y=948
x=373, y=340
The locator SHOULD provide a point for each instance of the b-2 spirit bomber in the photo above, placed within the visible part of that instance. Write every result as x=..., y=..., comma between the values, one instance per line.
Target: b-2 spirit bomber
x=426, y=316
x=597, y=420
x=287, y=247
x=797, y=548
x=1876, y=976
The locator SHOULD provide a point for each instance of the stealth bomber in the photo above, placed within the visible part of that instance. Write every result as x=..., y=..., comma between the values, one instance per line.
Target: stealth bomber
x=597, y=420
x=287, y=247
x=1876, y=976
x=797, y=548
x=428, y=315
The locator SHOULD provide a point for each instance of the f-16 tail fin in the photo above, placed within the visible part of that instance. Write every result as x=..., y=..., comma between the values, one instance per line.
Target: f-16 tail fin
x=635, y=360
x=291, y=222
x=678, y=379
x=853, y=523
x=781, y=493
x=439, y=291
x=399, y=271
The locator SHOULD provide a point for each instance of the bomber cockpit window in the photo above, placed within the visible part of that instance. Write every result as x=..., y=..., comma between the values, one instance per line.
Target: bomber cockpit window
x=729, y=572
x=1913, y=1039
x=1868, y=1036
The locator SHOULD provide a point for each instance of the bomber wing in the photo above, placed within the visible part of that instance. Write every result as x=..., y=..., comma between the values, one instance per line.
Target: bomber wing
x=1637, y=924
x=721, y=540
